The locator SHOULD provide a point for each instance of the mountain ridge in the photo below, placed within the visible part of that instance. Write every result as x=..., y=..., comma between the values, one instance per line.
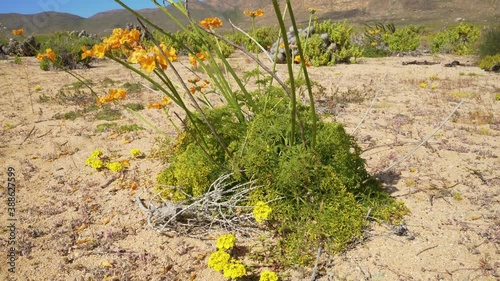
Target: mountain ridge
x=358, y=11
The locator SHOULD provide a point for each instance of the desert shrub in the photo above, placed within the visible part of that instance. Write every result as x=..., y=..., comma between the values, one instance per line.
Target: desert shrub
x=490, y=63
x=319, y=194
x=68, y=49
x=458, y=40
x=490, y=43
x=317, y=51
x=265, y=36
x=340, y=34
x=403, y=39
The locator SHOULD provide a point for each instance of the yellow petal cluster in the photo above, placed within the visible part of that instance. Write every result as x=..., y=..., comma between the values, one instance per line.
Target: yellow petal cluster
x=114, y=166
x=218, y=260
x=261, y=211
x=268, y=275
x=148, y=59
x=226, y=241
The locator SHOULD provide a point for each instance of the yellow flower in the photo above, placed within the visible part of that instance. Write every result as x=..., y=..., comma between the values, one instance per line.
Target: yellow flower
x=226, y=242
x=19, y=31
x=210, y=23
x=253, y=14
x=374, y=44
x=38, y=88
x=434, y=86
x=267, y=275
x=115, y=166
x=96, y=164
x=136, y=152
x=96, y=153
x=94, y=160
x=261, y=211
x=99, y=50
x=218, y=260
x=234, y=269
x=423, y=85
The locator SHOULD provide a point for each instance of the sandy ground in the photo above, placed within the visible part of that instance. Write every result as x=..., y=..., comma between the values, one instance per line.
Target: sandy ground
x=71, y=221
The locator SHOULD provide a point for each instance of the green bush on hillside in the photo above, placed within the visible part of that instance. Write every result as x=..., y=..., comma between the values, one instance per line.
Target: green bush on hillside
x=458, y=40
x=402, y=39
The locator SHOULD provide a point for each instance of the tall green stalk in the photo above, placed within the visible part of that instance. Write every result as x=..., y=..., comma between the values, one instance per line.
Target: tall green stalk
x=306, y=75
x=290, y=69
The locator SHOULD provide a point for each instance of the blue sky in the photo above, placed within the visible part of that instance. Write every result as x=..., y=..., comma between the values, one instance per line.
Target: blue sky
x=83, y=8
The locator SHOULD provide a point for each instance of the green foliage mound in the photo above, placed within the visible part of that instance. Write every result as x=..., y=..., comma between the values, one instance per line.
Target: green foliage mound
x=402, y=39
x=490, y=63
x=339, y=33
x=68, y=49
x=458, y=40
x=318, y=195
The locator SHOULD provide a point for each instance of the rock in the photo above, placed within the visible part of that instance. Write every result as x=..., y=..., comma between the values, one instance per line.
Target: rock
x=292, y=40
x=326, y=38
x=29, y=47
x=281, y=58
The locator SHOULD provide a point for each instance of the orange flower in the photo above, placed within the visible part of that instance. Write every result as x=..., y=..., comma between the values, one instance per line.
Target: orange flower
x=298, y=60
x=19, y=31
x=192, y=60
x=210, y=23
x=86, y=53
x=192, y=90
x=113, y=94
x=253, y=14
x=165, y=102
x=49, y=54
x=170, y=53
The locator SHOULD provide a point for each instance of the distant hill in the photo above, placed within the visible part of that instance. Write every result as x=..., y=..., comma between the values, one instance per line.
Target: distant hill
x=436, y=12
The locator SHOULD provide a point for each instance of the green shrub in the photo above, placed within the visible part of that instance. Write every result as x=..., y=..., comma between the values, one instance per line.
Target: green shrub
x=321, y=194
x=490, y=43
x=489, y=62
x=265, y=36
x=459, y=40
x=403, y=39
x=68, y=50
x=341, y=34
